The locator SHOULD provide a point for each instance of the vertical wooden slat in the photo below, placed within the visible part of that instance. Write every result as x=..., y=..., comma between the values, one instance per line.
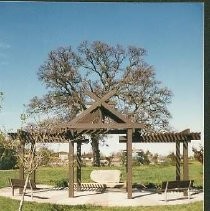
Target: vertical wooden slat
x=71, y=169
x=79, y=162
x=129, y=163
x=178, y=160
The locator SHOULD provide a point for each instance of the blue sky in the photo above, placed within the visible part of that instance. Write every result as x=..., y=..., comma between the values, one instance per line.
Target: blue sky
x=172, y=33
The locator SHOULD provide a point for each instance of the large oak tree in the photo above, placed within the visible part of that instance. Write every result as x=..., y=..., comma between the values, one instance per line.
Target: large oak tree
x=99, y=68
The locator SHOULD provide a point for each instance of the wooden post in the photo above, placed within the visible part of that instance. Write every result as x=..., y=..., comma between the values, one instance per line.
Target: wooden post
x=185, y=163
x=71, y=169
x=33, y=175
x=178, y=160
x=79, y=163
x=21, y=167
x=129, y=163
x=126, y=165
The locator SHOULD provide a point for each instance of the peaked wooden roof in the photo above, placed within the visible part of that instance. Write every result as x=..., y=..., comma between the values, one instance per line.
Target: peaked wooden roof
x=100, y=115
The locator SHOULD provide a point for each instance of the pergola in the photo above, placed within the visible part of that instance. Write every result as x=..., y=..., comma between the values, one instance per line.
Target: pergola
x=102, y=118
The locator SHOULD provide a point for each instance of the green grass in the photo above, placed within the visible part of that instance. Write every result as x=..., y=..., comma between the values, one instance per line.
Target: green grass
x=141, y=174
x=12, y=205
x=5, y=175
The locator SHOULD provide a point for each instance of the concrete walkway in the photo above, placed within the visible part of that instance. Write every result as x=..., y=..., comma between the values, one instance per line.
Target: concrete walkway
x=109, y=198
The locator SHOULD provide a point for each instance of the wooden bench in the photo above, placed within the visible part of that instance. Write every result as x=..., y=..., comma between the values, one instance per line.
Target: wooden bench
x=176, y=186
x=90, y=187
x=20, y=183
x=111, y=178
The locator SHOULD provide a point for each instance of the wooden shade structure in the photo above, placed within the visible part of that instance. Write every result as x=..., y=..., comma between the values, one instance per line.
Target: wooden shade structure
x=102, y=118
x=183, y=137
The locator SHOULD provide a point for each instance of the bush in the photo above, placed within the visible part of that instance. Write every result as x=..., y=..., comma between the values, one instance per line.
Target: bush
x=172, y=158
x=63, y=183
x=8, y=158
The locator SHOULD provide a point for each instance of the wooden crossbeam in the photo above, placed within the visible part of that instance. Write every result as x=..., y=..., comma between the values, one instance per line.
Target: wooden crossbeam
x=106, y=126
x=163, y=137
x=43, y=137
x=94, y=106
x=117, y=115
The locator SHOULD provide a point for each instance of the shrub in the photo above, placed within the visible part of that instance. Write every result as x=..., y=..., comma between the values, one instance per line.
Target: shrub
x=8, y=158
x=62, y=183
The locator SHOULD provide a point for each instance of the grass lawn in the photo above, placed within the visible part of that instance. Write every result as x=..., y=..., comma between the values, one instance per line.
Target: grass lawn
x=11, y=205
x=141, y=174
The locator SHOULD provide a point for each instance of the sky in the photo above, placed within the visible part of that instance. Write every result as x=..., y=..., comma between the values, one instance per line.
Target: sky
x=172, y=34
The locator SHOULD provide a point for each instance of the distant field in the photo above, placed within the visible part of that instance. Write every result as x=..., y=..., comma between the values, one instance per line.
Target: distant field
x=141, y=174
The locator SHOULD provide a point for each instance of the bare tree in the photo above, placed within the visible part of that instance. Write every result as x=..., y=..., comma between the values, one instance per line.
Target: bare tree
x=198, y=153
x=30, y=161
x=99, y=68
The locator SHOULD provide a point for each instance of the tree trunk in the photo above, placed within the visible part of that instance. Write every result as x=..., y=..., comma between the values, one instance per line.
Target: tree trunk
x=32, y=154
x=96, y=151
x=23, y=194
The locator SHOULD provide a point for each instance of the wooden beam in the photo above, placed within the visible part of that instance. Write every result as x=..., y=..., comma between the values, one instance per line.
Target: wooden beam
x=33, y=175
x=186, y=131
x=118, y=116
x=94, y=116
x=96, y=98
x=185, y=161
x=162, y=138
x=21, y=167
x=105, y=126
x=178, y=161
x=94, y=106
x=71, y=169
x=92, y=95
x=129, y=163
x=79, y=166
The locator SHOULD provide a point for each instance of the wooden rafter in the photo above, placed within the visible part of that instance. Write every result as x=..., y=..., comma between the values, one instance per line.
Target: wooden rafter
x=43, y=137
x=162, y=137
x=85, y=119
x=92, y=107
x=106, y=126
x=118, y=117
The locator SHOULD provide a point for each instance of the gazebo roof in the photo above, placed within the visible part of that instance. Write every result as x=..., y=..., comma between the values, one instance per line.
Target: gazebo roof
x=100, y=118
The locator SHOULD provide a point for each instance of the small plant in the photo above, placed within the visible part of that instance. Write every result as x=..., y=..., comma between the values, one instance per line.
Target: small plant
x=63, y=183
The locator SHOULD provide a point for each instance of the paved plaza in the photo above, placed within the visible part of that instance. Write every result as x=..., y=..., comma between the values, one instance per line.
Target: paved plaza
x=112, y=197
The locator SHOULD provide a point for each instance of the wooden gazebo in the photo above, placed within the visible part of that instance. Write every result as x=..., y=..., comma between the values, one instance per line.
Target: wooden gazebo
x=102, y=118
